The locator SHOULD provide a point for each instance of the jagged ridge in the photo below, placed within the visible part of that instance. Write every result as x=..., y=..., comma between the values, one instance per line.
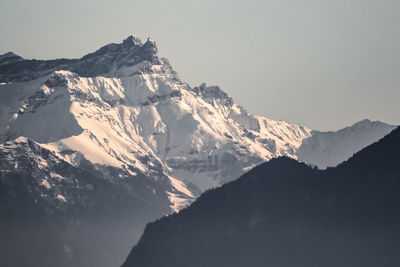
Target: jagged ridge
x=106, y=60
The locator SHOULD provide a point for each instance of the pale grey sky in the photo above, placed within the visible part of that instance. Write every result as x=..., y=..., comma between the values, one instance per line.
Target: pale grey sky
x=322, y=63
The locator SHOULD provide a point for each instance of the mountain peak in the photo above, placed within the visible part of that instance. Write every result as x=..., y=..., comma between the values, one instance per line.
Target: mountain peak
x=9, y=57
x=341, y=144
x=366, y=122
x=150, y=46
x=105, y=61
x=21, y=139
x=363, y=122
x=212, y=93
x=132, y=41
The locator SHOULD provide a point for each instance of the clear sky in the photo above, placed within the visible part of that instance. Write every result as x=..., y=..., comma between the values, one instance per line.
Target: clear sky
x=322, y=63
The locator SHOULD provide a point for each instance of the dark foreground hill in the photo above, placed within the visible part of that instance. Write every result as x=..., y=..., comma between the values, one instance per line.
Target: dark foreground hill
x=284, y=213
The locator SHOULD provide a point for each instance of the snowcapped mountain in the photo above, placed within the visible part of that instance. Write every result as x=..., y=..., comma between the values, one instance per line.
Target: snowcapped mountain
x=123, y=106
x=328, y=149
x=118, y=130
x=139, y=117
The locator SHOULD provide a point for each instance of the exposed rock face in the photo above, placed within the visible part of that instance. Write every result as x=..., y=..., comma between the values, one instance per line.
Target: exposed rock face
x=104, y=61
x=55, y=214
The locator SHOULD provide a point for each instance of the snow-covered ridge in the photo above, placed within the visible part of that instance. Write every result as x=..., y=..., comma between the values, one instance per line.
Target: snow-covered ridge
x=328, y=149
x=124, y=107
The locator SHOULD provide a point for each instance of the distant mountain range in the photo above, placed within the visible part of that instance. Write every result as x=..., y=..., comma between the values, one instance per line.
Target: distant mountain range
x=101, y=145
x=285, y=213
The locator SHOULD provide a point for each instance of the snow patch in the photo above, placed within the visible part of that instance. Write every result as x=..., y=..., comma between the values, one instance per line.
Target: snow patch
x=61, y=198
x=45, y=184
x=56, y=176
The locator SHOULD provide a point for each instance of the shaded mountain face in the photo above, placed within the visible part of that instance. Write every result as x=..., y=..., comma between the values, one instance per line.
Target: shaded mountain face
x=284, y=213
x=131, y=138
x=54, y=214
x=107, y=60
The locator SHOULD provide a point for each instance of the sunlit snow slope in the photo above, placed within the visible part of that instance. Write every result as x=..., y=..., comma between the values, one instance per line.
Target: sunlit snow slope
x=124, y=106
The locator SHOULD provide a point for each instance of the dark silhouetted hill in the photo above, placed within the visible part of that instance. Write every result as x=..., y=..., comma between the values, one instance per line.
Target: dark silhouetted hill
x=284, y=213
